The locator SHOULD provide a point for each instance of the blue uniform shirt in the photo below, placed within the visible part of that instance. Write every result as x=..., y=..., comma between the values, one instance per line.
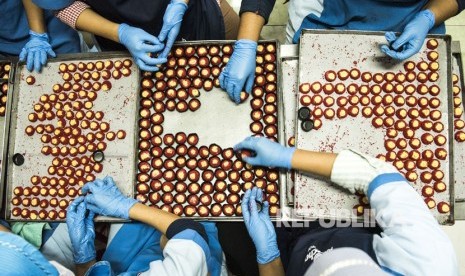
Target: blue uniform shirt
x=14, y=30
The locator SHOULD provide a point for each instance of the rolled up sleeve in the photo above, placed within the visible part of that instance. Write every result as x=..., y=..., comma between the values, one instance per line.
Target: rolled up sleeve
x=260, y=7
x=70, y=15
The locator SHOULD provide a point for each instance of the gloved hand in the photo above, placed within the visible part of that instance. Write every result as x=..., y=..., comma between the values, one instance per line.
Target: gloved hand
x=259, y=226
x=268, y=153
x=412, y=38
x=240, y=70
x=35, y=51
x=172, y=24
x=106, y=199
x=140, y=44
x=81, y=231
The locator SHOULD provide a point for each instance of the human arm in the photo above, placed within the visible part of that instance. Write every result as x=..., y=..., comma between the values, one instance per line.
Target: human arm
x=412, y=242
x=272, y=154
x=413, y=36
x=262, y=232
x=35, y=17
x=187, y=250
x=254, y=15
x=38, y=48
x=273, y=268
x=138, y=42
x=239, y=73
x=92, y=22
x=156, y=218
x=410, y=233
x=444, y=9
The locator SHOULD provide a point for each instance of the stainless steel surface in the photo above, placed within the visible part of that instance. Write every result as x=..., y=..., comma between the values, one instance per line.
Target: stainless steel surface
x=289, y=51
x=3, y=126
x=289, y=81
x=321, y=51
x=220, y=121
x=459, y=148
x=119, y=105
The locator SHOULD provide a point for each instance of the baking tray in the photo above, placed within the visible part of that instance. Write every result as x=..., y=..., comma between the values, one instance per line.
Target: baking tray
x=9, y=82
x=459, y=148
x=219, y=121
x=119, y=105
x=289, y=81
x=328, y=50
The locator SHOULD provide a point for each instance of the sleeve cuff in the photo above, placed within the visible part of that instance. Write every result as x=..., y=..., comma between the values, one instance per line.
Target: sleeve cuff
x=70, y=15
x=383, y=179
x=183, y=224
x=261, y=7
x=355, y=171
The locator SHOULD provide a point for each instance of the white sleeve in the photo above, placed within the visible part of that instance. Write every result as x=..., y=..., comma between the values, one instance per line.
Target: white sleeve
x=181, y=257
x=355, y=171
x=412, y=242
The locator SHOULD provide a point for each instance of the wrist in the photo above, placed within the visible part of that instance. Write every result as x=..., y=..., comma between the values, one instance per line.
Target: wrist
x=121, y=29
x=430, y=17
x=268, y=255
x=133, y=210
x=246, y=44
x=41, y=36
x=289, y=154
x=129, y=202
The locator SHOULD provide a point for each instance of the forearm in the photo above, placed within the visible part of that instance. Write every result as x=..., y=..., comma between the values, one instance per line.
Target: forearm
x=92, y=22
x=317, y=163
x=250, y=26
x=157, y=218
x=35, y=17
x=442, y=9
x=273, y=268
x=81, y=269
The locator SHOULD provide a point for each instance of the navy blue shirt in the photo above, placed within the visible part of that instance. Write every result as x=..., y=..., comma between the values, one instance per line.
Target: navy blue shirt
x=14, y=30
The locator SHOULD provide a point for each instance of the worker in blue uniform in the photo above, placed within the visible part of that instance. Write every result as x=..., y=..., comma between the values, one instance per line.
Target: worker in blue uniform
x=413, y=19
x=157, y=243
x=411, y=242
x=34, y=34
x=145, y=27
x=162, y=244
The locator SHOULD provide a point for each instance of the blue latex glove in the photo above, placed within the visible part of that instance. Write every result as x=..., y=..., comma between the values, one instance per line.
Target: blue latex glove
x=81, y=231
x=240, y=70
x=259, y=226
x=172, y=24
x=36, y=51
x=412, y=38
x=141, y=44
x=268, y=153
x=106, y=199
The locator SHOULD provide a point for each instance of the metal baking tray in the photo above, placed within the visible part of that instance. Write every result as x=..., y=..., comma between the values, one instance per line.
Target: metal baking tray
x=289, y=81
x=8, y=81
x=322, y=50
x=459, y=148
x=220, y=121
x=119, y=104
